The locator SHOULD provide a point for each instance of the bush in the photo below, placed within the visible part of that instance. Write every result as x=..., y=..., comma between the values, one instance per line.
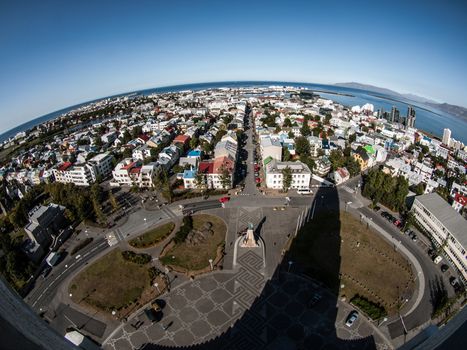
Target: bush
x=140, y=259
x=184, y=230
x=81, y=245
x=374, y=310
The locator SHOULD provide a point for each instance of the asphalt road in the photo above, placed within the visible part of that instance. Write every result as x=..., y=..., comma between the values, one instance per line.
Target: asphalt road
x=41, y=296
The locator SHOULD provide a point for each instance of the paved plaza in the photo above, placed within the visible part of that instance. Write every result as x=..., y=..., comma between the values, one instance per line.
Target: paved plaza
x=247, y=305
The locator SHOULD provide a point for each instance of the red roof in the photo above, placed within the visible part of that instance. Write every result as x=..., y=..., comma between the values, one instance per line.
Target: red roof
x=64, y=166
x=135, y=170
x=128, y=166
x=460, y=199
x=206, y=167
x=222, y=162
x=143, y=137
x=182, y=139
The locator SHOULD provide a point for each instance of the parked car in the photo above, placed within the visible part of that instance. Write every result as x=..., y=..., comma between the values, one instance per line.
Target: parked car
x=224, y=199
x=414, y=237
x=444, y=268
x=314, y=299
x=350, y=320
x=454, y=281
x=438, y=259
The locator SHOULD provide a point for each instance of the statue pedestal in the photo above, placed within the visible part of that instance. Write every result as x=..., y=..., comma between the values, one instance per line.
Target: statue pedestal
x=249, y=240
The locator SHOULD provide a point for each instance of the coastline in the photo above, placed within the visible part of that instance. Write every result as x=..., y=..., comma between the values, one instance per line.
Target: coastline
x=426, y=122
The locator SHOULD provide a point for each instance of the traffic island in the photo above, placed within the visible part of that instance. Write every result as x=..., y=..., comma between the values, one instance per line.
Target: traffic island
x=198, y=247
x=117, y=284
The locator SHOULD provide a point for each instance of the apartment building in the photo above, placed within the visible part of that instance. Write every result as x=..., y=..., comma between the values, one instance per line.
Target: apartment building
x=80, y=175
x=445, y=226
x=301, y=174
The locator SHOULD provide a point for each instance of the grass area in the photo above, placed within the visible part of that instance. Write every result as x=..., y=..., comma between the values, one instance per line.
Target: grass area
x=151, y=238
x=374, y=310
x=336, y=249
x=196, y=257
x=111, y=283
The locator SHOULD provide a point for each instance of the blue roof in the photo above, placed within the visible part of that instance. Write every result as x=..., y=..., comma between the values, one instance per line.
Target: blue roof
x=194, y=153
x=189, y=174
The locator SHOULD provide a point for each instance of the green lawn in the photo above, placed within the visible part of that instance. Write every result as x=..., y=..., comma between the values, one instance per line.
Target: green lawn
x=151, y=238
x=111, y=283
x=197, y=257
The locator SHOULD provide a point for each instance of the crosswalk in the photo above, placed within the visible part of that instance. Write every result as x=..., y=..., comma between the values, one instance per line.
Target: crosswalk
x=348, y=189
x=167, y=211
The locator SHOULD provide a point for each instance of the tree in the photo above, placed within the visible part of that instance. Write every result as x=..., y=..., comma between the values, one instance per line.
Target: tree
x=305, y=129
x=286, y=179
x=309, y=162
x=200, y=181
x=327, y=119
x=302, y=146
x=194, y=142
x=337, y=159
x=352, y=166
x=287, y=123
x=291, y=135
x=113, y=201
x=352, y=138
x=225, y=178
x=286, y=154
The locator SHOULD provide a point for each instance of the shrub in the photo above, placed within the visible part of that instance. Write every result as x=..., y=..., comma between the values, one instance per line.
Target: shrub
x=140, y=259
x=374, y=310
x=184, y=230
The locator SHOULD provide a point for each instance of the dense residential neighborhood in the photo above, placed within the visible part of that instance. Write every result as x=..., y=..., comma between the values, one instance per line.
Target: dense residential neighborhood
x=93, y=166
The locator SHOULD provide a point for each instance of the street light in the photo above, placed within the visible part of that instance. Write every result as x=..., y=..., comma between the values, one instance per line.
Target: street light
x=70, y=295
x=290, y=265
x=210, y=263
x=157, y=287
x=346, y=204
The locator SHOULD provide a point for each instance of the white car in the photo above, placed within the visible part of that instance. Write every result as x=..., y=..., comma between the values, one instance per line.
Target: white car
x=78, y=257
x=353, y=316
x=438, y=259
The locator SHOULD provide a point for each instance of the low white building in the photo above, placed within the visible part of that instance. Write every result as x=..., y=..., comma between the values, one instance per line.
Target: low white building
x=271, y=148
x=141, y=152
x=445, y=226
x=341, y=175
x=301, y=174
x=126, y=173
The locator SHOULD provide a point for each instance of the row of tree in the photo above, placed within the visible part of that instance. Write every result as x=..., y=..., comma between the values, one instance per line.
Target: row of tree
x=383, y=188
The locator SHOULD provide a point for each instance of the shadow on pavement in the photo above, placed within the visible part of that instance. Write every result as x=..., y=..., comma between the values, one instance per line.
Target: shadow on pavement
x=282, y=316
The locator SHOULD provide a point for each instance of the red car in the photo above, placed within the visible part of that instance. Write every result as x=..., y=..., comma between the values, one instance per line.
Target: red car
x=224, y=199
x=258, y=180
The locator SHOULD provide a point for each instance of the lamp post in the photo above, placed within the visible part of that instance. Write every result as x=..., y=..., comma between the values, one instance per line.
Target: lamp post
x=210, y=263
x=347, y=204
x=290, y=265
x=157, y=287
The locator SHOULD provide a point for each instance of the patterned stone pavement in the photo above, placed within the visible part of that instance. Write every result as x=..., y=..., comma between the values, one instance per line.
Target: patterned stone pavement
x=243, y=310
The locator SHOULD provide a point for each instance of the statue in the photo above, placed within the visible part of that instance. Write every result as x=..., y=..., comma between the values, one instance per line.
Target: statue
x=249, y=240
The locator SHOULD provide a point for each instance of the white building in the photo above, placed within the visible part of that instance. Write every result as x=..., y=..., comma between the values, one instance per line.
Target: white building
x=271, y=148
x=126, y=173
x=301, y=174
x=445, y=226
x=80, y=175
x=341, y=175
x=141, y=152
x=447, y=137
x=102, y=165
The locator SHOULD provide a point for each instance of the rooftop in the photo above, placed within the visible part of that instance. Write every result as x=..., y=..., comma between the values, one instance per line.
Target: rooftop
x=450, y=218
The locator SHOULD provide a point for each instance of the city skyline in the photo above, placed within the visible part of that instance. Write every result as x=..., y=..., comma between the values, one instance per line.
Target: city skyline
x=61, y=55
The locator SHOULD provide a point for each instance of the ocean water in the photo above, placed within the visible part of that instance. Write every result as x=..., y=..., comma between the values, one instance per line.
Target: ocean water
x=428, y=119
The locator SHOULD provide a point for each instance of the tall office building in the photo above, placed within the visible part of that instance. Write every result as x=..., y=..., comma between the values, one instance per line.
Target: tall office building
x=447, y=137
x=394, y=115
x=410, y=117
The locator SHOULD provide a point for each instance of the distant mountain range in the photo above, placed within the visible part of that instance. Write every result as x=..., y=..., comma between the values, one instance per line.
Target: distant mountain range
x=457, y=111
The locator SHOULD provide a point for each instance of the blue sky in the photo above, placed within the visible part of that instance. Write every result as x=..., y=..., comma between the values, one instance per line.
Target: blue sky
x=54, y=54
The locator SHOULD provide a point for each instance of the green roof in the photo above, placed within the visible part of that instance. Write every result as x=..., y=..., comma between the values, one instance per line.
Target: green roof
x=267, y=160
x=369, y=149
